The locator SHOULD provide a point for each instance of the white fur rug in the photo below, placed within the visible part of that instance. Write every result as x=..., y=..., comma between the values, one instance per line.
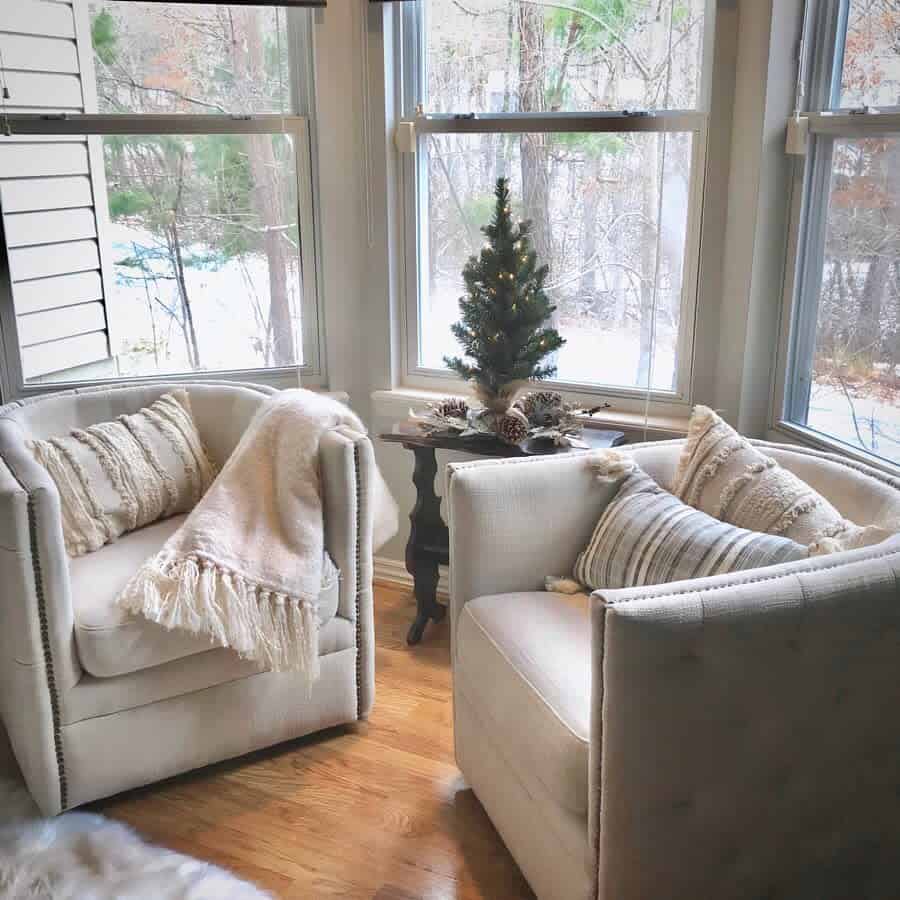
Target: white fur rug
x=82, y=856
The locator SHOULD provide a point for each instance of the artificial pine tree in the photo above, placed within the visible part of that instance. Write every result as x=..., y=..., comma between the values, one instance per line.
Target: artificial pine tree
x=504, y=313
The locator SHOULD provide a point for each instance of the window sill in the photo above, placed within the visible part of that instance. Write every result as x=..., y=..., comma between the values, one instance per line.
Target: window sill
x=805, y=437
x=398, y=402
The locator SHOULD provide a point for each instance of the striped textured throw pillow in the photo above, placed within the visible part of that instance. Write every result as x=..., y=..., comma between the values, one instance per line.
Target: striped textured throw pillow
x=114, y=477
x=648, y=536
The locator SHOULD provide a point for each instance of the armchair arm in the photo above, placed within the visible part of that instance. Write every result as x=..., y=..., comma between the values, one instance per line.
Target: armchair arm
x=38, y=663
x=745, y=731
x=348, y=477
x=515, y=521
x=37, y=602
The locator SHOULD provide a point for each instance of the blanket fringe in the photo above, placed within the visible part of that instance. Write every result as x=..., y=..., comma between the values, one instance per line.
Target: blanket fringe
x=274, y=629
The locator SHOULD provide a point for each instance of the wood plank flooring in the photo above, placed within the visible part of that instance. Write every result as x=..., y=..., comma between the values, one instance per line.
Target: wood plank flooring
x=377, y=810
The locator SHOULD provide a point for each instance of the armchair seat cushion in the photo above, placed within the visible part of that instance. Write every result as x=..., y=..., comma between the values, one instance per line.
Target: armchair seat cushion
x=111, y=641
x=523, y=660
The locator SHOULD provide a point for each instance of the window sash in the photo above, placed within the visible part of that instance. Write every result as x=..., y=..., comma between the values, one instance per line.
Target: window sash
x=529, y=123
x=410, y=38
x=822, y=58
x=415, y=188
x=298, y=127
x=853, y=125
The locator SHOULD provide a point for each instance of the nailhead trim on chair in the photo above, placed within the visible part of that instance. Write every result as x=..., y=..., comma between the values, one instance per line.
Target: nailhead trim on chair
x=44, y=625
x=48, y=654
x=358, y=580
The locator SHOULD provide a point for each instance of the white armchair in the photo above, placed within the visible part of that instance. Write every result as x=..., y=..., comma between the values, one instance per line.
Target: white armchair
x=734, y=736
x=96, y=701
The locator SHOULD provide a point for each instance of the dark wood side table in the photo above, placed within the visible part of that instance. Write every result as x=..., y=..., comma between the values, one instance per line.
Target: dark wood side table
x=429, y=542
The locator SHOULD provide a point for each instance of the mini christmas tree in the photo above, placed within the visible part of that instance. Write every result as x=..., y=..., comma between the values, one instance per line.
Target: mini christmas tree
x=502, y=330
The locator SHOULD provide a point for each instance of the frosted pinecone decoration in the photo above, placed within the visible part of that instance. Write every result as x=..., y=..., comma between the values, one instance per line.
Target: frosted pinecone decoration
x=543, y=409
x=512, y=426
x=452, y=408
x=448, y=416
x=542, y=416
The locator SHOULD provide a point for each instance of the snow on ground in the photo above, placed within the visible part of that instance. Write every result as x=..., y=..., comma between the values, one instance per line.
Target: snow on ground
x=592, y=354
x=879, y=423
x=222, y=302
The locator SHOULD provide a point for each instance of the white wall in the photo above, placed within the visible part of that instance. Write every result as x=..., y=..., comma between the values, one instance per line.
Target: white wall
x=340, y=154
x=756, y=225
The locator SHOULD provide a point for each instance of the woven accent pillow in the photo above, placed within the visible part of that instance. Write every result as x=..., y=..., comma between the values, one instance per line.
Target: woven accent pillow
x=723, y=474
x=114, y=477
x=647, y=536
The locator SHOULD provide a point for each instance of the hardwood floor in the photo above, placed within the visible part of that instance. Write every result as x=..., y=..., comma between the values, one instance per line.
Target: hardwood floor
x=376, y=810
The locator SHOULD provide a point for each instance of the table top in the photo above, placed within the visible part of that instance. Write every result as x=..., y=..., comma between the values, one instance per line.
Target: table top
x=411, y=435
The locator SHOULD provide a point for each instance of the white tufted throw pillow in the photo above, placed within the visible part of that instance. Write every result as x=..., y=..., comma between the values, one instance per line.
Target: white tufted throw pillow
x=723, y=474
x=114, y=477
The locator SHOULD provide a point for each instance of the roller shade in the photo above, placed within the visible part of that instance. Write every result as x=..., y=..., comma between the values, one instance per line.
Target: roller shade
x=290, y=4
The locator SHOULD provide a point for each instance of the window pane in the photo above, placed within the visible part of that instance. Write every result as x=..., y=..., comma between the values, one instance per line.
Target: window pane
x=870, y=75
x=511, y=56
x=855, y=384
x=595, y=202
x=189, y=58
x=202, y=245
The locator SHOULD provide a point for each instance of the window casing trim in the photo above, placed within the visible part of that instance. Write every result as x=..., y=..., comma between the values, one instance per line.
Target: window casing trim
x=302, y=87
x=312, y=370
x=808, y=203
x=409, y=36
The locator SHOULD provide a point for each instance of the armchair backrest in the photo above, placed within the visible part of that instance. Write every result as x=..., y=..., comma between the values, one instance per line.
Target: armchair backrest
x=222, y=410
x=863, y=494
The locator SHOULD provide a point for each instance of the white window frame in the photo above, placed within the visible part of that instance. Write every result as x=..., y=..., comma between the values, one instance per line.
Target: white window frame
x=824, y=120
x=301, y=128
x=409, y=77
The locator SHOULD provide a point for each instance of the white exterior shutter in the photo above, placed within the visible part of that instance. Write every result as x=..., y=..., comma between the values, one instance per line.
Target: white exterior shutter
x=52, y=190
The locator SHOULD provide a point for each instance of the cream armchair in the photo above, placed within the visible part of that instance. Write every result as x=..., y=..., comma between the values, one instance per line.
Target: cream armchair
x=96, y=701
x=735, y=736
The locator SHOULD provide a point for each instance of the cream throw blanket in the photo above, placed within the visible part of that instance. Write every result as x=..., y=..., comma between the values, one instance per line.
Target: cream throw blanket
x=245, y=568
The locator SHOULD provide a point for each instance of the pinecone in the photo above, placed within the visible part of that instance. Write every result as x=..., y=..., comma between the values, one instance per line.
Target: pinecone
x=452, y=407
x=512, y=427
x=542, y=408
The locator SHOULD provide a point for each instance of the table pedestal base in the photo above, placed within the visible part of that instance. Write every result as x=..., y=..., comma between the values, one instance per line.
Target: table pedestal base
x=428, y=546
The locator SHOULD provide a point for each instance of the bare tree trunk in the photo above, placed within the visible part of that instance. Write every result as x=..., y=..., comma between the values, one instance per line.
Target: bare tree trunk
x=501, y=146
x=174, y=239
x=587, y=286
x=535, y=177
x=869, y=338
x=269, y=202
x=187, y=315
